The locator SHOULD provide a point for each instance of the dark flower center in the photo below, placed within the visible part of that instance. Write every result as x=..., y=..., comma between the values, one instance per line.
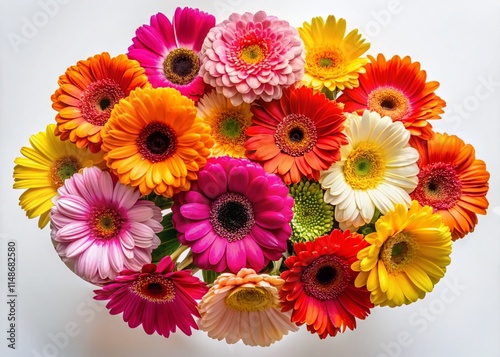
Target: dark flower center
x=181, y=66
x=232, y=216
x=438, y=186
x=154, y=289
x=326, y=277
x=98, y=99
x=296, y=135
x=157, y=142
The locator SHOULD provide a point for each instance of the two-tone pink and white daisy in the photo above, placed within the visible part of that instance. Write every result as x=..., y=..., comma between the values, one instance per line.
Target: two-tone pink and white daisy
x=101, y=227
x=252, y=56
x=235, y=216
x=156, y=297
x=377, y=169
x=170, y=51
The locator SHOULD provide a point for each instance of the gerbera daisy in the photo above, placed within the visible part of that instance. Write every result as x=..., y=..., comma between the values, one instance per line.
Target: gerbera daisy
x=396, y=88
x=44, y=168
x=170, y=51
x=156, y=297
x=319, y=285
x=452, y=181
x=377, y=169
x=235, y=216
x=154, y=140
x=228, y=123
x=312, y=216
x=100, y=227
x=332, y=59
x=297, y=135
x=88, y=92
x=252, y=56
x=408, y=254
x=245, y=307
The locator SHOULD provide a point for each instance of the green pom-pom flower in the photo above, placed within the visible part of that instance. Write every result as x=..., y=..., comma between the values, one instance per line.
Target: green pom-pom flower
x=312, y=216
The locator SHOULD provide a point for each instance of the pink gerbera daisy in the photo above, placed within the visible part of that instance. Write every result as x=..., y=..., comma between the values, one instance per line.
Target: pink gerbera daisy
x=100, y=227
x=170, y=51
x=236, y=215
x=157, y=297
x=252, y=56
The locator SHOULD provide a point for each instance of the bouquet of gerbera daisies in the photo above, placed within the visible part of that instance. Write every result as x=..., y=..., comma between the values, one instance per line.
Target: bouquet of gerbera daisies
x=248, y=177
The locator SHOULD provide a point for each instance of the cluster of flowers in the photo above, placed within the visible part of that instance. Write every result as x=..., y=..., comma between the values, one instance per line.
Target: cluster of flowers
x=303, y=180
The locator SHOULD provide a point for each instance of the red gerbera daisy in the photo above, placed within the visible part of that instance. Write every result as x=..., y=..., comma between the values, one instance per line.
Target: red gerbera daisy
x=297, y=135
x=157, y=297
x=396, y=88
x=319, y=285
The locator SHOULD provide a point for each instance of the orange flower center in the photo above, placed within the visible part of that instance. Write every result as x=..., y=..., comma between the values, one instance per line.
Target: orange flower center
x=156, y=142
x=98, y=99
x=105, y=223
x=326, y=277
x=181, y=66
x=296, y=135
x=63, y=169
x=155, y=289
x=391, y=102
x=232, y=216
x=438, y=186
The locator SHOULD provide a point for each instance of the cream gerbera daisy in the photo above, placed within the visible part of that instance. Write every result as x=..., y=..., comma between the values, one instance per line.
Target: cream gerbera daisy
x=245, y=307
x=44, y=168
x=377, y=169
x=228, y=122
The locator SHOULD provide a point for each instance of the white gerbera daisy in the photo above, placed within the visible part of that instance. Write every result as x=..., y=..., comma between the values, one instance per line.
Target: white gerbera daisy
x=377, y=169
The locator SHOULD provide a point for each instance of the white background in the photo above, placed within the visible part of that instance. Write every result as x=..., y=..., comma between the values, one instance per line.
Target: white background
x=456, y=42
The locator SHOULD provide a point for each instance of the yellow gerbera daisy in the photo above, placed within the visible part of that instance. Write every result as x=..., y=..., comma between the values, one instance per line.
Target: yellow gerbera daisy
x=154, y=140
x=332, y=60
x=44, y=168
x=407, y=256
x=228, y=123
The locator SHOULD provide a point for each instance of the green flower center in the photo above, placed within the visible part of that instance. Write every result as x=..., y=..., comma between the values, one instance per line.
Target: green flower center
x=364, y=167
x=63, y=169
x=398, y=251
x=230, y=127
x=312, y=216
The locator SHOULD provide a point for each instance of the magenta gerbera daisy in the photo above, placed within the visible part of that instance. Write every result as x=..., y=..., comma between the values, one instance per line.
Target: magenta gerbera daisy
x=236, y=215
x=252, y=56
x=101, y=227
x=156, y=296
x=170, y=51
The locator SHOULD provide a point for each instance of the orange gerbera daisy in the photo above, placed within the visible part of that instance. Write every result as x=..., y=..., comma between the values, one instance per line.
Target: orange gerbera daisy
x=396, y=88
x=87, y=93
x=452, y=181
x=297, y=135
x=155, y=140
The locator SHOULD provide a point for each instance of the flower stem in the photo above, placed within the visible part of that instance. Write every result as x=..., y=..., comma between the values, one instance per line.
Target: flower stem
x=175, y=255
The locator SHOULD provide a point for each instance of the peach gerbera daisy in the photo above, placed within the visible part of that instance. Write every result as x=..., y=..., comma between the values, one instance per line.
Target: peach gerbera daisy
x=88, y=92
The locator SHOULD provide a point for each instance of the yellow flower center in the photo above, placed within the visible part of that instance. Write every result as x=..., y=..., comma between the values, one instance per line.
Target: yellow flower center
x=252, y=53
x=62, y=169
x=250, y=299
x=398, y=252
x=324, y=62
x=364, y=167
x=154, y=289
x=391, y=102
x=229, y=127
x=181, y=66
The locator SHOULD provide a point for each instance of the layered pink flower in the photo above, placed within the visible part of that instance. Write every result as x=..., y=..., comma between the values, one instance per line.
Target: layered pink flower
x=155, y=297
x=252, y=56
x=236, y=215
x=170, y=51
x=100, y=227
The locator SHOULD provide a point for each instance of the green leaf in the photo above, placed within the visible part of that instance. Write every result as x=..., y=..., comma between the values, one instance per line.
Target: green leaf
x=168, y=237
x=209, y=276
x=160, y=201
